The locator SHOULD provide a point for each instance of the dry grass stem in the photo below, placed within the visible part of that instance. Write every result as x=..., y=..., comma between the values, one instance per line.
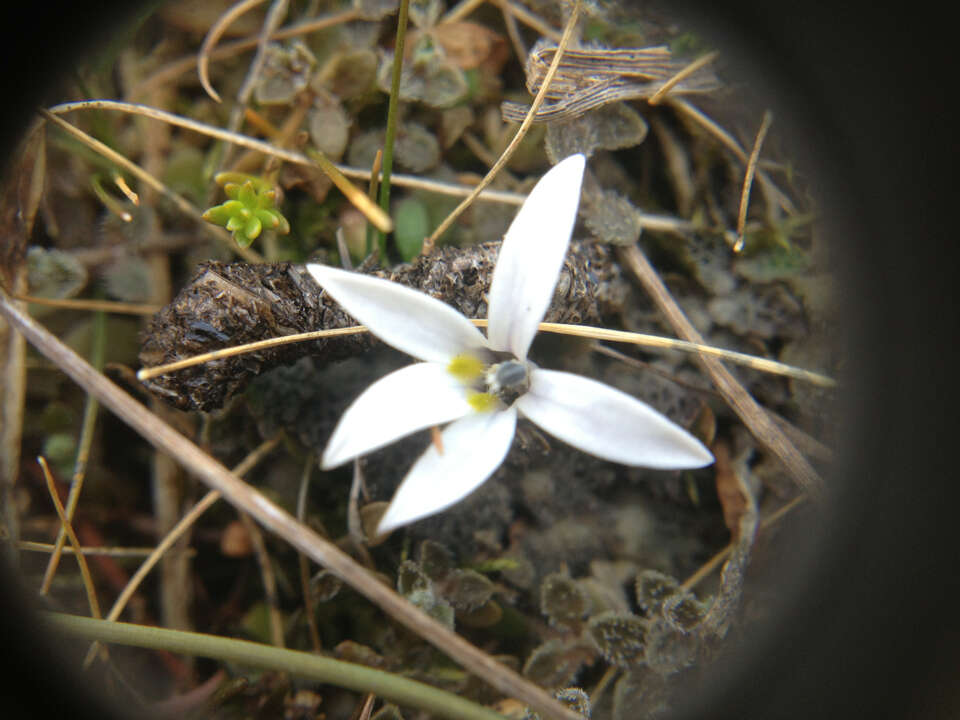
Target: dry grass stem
x=148, y=373
x=221, y=235
x=374, y=214
x=689, y=70
x=268, y=577
x=119, y=181
x=88, y=425
x=178, y=530
x=742, y=403
x=748, y=178
x=751, y=361
x=87, y=550
x=461, y=10
x=74, y=542
x=717, y=560
x=727, y=140
x=531, y=20
x=176, y=68
x=513, y=32
x=306, y=586
x=278, y=521
x=430, y=241
x=110, y=306
x=210, y=41
x=359, y=199
x=620, y=336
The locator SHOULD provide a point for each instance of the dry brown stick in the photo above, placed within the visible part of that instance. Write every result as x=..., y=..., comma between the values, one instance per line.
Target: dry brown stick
x=757, y=421
x=278, y=521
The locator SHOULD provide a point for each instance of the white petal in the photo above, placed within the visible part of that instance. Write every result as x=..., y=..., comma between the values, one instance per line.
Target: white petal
x=473, y=447
x=531, y=257
x=410, y=321
x=406, y=400
x=610, y=424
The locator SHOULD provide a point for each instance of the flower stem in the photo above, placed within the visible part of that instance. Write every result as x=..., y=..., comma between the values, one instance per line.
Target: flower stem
x=395, y=688
x=392, y=120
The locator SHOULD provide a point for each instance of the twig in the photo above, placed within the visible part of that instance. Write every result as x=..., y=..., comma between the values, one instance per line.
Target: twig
x=752, y=415
x=372, y=190
x=430, y=241
x=757, y=363
x=278, y=521
x=748, y=178
x=121, y=183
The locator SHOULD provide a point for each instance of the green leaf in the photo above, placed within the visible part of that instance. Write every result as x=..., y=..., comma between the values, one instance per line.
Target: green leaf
x=412, y=226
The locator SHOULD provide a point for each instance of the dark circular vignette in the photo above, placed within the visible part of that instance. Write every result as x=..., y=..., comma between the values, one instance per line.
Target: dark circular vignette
x=871, y=629
x=41, y=41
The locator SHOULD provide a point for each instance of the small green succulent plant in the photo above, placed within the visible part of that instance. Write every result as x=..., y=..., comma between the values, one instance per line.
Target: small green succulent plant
x=250, y=209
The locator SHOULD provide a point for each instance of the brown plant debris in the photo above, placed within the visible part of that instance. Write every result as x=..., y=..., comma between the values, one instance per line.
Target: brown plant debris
x=590, y=77
x=229, y=304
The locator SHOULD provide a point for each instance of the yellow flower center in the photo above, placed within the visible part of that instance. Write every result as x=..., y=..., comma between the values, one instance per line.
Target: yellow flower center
x=466, y=368
x=483, y=402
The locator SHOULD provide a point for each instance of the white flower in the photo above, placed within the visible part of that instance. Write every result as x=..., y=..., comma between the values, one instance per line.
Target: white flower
x=480, y=384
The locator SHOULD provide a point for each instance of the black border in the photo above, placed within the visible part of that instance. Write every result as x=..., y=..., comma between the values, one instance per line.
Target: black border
x=872, y=631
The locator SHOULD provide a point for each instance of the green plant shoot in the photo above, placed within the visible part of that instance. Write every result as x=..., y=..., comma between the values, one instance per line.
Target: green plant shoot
x=250, y=208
